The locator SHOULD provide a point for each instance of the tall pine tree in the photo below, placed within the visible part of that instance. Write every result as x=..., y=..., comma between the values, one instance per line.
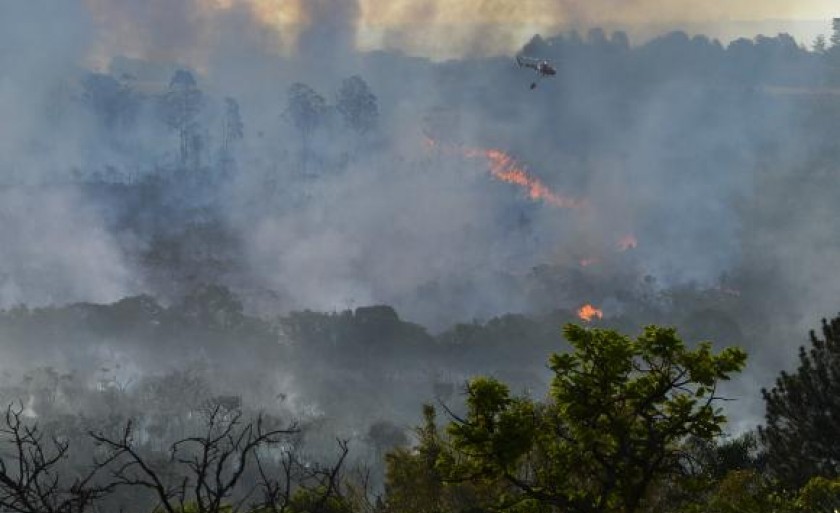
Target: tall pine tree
x=803, y=413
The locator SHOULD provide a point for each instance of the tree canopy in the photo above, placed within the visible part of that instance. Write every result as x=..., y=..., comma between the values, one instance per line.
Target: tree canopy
x=613, y=424
x=803, y=412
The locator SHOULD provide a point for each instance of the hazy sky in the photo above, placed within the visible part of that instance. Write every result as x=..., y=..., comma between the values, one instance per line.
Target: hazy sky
x=452, y=28
x=430, y=26
x=597, y=11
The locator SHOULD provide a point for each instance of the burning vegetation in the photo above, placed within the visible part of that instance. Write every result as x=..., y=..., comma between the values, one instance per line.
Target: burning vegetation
x=588, y=312
x=507, y=169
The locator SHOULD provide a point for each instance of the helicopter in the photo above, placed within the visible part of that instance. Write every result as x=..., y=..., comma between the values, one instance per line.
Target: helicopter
x=543, y=67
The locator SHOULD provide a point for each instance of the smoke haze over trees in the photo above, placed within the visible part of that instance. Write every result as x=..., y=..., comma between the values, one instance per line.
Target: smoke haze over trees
x=338, y=236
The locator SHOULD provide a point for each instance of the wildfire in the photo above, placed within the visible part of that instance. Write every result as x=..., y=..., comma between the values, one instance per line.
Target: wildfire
x=505, y=168
x=628, y=242
x=588, y=312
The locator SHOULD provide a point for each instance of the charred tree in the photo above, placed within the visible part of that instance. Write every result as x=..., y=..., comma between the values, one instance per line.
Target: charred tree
x=33, y=474
x=204, y=472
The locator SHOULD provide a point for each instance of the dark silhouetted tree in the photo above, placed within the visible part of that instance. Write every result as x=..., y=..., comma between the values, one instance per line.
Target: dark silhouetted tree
x=233, y=130
x=620, y=40
x=803, y=413
x=306, y=110
x=204, y=471
x=820, y=45
x=181, y=105
x=536, y=47
x=112, y=102
x=357, y=105
x=34, y=476
x=835, y=33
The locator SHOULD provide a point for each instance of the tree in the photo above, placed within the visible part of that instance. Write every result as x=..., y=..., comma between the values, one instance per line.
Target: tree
x=820, y=45
x=212, y=306
x=306, y=109
x=803, y=412
x=33, y=478
x=835, y=33
x=357, y=105
x=233, y=130
x=181, y=105
x=204, y=471
x=725, y=477
x=620, y=40
x=300, y=486
x=112, y=102
x=414, y=482
x=617, y=413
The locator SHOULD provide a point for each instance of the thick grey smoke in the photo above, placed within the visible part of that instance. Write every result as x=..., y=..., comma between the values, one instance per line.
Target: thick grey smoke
x=41, y=46
x=54, y=247
x=714, y=160
x=57, y=250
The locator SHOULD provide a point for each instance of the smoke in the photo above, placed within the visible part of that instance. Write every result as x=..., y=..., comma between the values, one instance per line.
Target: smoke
x=55, y=249
x=36, y=71
x=189, y=32
x=194, y=31
x=395, y=235
x=691, y=149
x=330, y=29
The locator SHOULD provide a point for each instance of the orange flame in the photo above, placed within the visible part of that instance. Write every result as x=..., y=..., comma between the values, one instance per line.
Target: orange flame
x=588, y=312
x=505, y=168
x=628, y=242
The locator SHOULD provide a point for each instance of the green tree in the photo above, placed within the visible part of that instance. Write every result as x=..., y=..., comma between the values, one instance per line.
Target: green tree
x=803, y=412
x=613, y=424
x=414, y=482
x=744, y=491
x=724, y=477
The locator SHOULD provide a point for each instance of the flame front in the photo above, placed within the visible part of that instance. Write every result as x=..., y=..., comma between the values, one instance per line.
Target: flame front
x=505, y=168
x=588, y=312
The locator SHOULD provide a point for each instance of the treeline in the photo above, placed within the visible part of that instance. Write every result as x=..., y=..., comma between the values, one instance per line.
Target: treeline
x=627, y=425
x=201, y=132
x=146, y=124
x=338, y=358
x=676, y=56
x=631, y=425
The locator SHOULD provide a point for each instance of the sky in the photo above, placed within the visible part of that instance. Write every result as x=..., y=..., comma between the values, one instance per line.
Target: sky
x=442, y=29
x=433, y=24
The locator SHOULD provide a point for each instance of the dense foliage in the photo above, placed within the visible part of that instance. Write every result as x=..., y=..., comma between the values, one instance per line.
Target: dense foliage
x=803, y=412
